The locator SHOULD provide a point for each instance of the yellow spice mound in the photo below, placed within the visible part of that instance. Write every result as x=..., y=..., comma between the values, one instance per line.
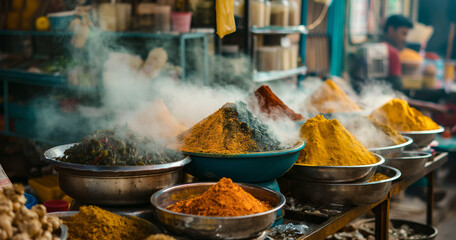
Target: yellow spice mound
x=400, y=116
x=328, y=143
x=329, y=98
x=94, y=223
x=378, y=177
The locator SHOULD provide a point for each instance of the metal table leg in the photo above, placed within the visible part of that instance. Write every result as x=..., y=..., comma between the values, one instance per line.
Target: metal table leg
x=430, y=198
x=381, y=212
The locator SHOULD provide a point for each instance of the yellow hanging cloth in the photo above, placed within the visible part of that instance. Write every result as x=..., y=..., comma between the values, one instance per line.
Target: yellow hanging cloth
x=225, y=17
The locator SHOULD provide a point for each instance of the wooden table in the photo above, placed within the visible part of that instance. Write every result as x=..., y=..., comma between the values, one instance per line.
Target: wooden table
x=381, y=208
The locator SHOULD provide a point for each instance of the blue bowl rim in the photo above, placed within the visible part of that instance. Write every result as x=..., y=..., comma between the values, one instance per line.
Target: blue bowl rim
x=296, y=148
x=279, y=195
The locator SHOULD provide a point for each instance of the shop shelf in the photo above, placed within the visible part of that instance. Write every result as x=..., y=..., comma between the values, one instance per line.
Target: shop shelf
x=32, y=78
x=261, y=77
x=170, y=35
x=279, y=30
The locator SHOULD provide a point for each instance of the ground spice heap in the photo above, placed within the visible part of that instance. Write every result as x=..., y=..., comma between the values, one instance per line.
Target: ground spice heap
x=378, y=177
x=329, y=98
x=400, y=116
x=328, y=143
x=94, y=223
x=271, y=105
x=231, y=129
x=224, y=199
x=371, y=133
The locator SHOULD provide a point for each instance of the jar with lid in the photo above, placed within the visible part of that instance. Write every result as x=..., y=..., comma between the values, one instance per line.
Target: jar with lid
x=257, y=13
x=279, y=13
x=294, y=19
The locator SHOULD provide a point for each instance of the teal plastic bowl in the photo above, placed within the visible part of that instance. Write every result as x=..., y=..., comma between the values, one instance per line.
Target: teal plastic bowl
x=250, y=167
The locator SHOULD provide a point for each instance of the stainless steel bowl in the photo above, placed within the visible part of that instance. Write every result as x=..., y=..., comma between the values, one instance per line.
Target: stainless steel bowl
x=334, y=174
x=113, y=185
x=345, y=193
x=422, y=139
x=409, y=163
x=202, y=227
x=391, y=151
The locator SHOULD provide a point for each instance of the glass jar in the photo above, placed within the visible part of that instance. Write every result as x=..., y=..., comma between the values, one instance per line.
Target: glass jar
x=257, y=13
x=267, y=13
x=294, y=19
x=279, y=13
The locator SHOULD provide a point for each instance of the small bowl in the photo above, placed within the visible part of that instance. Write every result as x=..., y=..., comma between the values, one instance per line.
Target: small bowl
x=409, y=163
x=334, y=174
x=422, y=139
x=368, y=228
x=113, y=185
x=204, y=227
x=249, y=167
x=391, y=151
x=345, y=193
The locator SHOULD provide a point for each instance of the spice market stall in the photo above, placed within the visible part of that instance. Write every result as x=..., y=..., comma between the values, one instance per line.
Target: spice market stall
x=248, y=181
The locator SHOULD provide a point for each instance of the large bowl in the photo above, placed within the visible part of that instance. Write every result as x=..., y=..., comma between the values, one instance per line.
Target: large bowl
x=422, y=139
x=202, y=227
x=249, y=167
x=113, y=185
x=409, y=163
x=368, y=228
x=345, y=193
x=334, y=174
x=391, y=151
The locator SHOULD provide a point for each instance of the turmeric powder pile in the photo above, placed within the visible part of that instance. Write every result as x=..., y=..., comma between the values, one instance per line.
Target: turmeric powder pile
x=378, y=177
x=400, y=116
x=231, y=129
x=371, y=133
x=328, y=143
x=94, y=223
x=329, y=98
x=224, y=199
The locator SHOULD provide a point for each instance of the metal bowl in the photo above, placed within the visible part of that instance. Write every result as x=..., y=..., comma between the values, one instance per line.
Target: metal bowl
x=67, y=214
x=345, y=193
x=409, y=163
x=334, y=174
x=113, y=185
x=391, y=151
x=249, y=167
x=422, y=139
x=203, y=227
x=368, y=228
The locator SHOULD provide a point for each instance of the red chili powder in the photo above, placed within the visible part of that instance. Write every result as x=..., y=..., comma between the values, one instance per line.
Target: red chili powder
x=271, y=105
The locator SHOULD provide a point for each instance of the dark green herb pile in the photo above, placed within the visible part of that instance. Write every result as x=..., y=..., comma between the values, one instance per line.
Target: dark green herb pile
x=118, y=147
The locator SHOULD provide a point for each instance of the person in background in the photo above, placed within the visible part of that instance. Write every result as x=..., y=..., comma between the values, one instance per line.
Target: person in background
x=395, y=35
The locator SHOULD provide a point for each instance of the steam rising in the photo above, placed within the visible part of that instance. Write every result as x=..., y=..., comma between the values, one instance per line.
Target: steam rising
x=129, y=92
